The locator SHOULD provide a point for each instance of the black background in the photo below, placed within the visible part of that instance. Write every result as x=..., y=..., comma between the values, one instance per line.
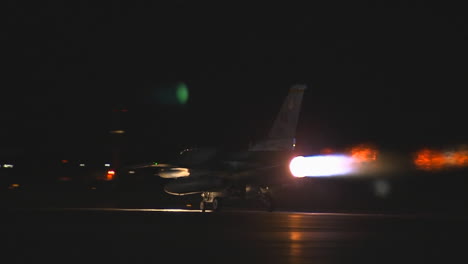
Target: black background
x=389, y=73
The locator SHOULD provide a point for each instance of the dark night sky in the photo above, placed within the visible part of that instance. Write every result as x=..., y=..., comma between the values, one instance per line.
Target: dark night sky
x=392, y=74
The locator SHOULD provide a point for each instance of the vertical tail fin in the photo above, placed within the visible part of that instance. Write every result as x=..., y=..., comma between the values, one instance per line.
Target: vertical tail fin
x=282, y=135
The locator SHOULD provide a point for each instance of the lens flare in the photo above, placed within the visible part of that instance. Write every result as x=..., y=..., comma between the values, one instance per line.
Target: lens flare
x=182, y=93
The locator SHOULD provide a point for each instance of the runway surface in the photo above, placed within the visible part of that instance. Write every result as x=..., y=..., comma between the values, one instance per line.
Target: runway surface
x=113, y=235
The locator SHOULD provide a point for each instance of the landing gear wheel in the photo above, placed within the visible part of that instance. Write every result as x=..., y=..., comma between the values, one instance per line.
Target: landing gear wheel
x=216, y=204
x=203, y=206
x=268, y=203
x=266, y=200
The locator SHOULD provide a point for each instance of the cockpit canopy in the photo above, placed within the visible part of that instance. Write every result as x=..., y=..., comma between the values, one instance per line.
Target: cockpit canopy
x=198, y=155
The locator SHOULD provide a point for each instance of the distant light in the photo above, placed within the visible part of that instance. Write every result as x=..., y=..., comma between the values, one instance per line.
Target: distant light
x=155, y=163
x=13, y=186
x=64, y=161
x=188, y=205
x=131, y=172
x=318, y=166
x=8, y=166
x=117, y=131
x=107, y=165
x=110, y=175
x=82, y=164
x=65, y=179
x=182, y=93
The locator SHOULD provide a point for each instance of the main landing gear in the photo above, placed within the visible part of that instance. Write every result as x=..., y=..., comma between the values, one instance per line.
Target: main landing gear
x=266, y=200
x=210, y=200
x=258, y=195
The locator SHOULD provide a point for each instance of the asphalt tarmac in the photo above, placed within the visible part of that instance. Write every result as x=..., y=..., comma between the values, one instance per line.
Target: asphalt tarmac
x=113, y=235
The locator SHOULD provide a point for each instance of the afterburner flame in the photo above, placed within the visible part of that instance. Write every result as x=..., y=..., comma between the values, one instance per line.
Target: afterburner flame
x=317, y=166
x=364, y=153
x=429, y=159
x=358, y=160
x=460, y=158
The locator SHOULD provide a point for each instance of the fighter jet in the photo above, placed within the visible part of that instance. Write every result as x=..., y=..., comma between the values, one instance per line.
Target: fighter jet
x=222, y=176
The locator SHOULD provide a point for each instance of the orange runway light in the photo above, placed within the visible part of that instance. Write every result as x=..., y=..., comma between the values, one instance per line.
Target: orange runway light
x=110, y=175
x=13, y=186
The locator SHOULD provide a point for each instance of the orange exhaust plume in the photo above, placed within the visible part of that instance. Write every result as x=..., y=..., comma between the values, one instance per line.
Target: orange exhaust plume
x=427, y=159
x=364, y=153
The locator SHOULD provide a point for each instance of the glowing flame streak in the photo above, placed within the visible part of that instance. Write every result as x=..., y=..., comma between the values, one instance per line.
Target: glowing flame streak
x=461, y=158
x=428, y=159
x=364, y=153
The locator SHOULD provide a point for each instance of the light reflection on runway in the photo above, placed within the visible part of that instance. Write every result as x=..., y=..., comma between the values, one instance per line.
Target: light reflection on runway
x=112, y=234
x=175, y=210
x=295, y=239
x=292, y=214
